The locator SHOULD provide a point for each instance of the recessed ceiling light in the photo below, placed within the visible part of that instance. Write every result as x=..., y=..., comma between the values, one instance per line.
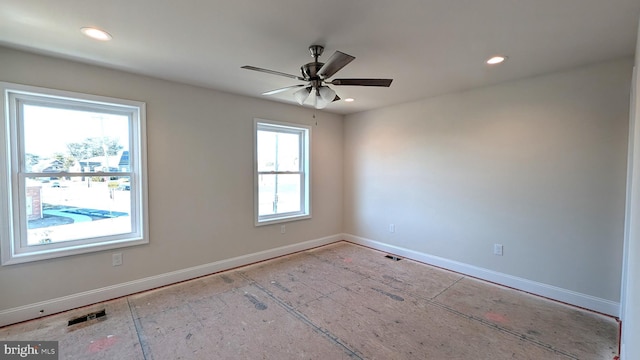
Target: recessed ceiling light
x=349, y=99
x=496, y=60
x=96, y=33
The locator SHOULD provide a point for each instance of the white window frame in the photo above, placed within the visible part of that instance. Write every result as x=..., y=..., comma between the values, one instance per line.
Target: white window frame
x=304, y=170
x=13, y=219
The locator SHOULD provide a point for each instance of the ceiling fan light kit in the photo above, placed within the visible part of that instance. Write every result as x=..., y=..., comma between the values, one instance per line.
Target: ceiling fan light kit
x=317, y=74
x=302, y=95
x=322, y=96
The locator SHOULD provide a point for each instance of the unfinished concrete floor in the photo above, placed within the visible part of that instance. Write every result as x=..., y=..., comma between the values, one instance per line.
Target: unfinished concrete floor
x=340, y=301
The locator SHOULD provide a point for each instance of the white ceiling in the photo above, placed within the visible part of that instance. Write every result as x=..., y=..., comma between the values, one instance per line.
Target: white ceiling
x=429, y=47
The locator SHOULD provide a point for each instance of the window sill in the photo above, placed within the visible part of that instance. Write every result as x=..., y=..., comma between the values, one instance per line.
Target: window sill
x=283, y=219
x=21, y=258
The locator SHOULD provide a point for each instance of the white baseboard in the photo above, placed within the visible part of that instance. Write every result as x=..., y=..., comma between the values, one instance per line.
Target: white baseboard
x=48, y=307
x=593, y=303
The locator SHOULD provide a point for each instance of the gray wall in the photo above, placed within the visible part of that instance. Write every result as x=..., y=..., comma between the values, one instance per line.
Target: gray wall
x=538, y=165
x=200, y=164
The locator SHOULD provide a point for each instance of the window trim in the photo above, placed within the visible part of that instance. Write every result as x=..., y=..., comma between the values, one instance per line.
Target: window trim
x=305, y=197
x=12, y=236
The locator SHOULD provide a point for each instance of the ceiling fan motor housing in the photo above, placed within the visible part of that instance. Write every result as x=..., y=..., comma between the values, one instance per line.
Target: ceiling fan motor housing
x=310, y=70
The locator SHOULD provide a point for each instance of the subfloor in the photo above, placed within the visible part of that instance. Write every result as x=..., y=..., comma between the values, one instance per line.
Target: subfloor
x=340, y=301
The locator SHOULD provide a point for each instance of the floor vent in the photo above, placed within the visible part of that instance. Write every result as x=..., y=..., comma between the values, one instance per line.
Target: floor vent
x=393, y=257
x=91, y=316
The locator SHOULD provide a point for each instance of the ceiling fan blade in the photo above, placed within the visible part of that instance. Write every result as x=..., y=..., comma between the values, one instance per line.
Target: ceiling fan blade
x=272, y=72
x=336, y=62
x=362, y=82
x=276, y=91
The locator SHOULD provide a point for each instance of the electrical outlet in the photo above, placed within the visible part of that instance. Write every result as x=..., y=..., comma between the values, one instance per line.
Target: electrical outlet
x=283, y=229
x=116, y=259
x=497, y=249
x=392, y=228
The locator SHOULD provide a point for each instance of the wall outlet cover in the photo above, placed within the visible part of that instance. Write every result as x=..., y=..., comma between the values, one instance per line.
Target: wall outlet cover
x=116, y=259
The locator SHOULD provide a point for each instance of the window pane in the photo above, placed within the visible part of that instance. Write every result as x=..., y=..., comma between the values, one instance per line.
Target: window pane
x=278, y=194
x=266, y=194
x=278, y=151
x=288, y=191
x=288, y=152
x=266, y=151
x=70, y=140
x=72, y=208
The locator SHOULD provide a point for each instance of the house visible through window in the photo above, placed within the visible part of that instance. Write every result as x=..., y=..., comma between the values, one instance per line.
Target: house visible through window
x=74, y=179
x=282, y=172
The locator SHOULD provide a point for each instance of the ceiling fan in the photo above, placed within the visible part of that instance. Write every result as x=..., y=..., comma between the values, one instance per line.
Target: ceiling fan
x=316, y=74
